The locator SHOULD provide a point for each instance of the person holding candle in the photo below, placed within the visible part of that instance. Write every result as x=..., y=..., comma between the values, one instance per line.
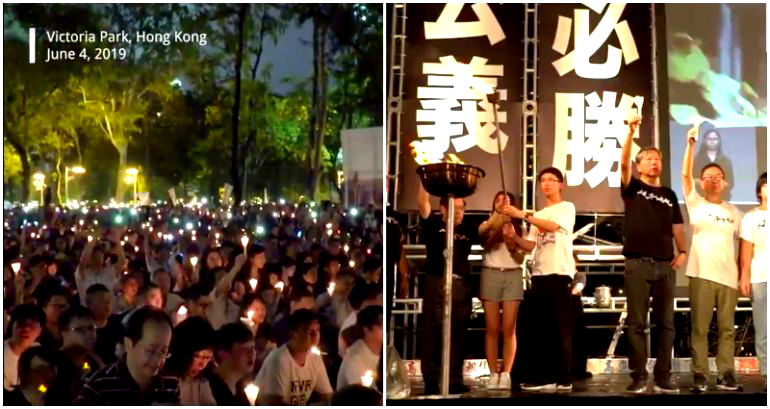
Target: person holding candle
x=254, y=314
x=37, y=371
x=234, y=353
x=26, y=324
x=292, y=373
x=364, y=354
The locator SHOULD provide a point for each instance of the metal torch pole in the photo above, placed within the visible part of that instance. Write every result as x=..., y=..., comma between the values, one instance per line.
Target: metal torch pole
x=448, y=258
x=494, y=98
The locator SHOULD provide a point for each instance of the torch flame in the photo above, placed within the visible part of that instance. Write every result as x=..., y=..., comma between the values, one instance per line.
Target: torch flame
x=452, y=158
x=424, y=157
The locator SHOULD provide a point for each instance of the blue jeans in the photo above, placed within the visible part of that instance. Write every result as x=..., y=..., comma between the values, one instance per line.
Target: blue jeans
x=759, y=307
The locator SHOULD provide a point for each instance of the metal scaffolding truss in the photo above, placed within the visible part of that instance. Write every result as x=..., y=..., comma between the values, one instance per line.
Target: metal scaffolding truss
x=529, y=110
x=395, y=96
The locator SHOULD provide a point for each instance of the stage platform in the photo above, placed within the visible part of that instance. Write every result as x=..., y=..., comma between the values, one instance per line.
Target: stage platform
x=603, y=389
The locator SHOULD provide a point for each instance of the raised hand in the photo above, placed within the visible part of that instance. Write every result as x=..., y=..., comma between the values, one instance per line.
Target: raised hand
x=634, y=122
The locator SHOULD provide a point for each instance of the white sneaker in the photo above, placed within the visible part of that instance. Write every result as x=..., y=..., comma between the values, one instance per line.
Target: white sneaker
x=494, y=379
x=505, y=381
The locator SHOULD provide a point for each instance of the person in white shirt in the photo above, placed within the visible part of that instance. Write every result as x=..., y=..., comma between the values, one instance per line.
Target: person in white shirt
x=27, y=321
x=362, y=296
x=502, y=286
x=292, y=372
x=92, y=269
x=712, y=268
x=360, y=363
x=553, y=268
x=753, y=280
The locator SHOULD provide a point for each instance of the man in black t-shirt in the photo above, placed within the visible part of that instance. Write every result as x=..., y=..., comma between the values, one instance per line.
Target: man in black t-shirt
x=433, y=234
x=653, y=223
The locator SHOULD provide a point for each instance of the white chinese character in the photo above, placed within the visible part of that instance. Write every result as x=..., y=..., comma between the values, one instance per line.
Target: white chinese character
x=587, y=44
x=452, y=99
x=592, y=133
x=447, y=25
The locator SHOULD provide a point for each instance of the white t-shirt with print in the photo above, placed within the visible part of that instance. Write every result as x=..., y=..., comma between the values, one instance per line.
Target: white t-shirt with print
x=10, y=367
x=553, y=252
x=753, y=230
x=358, y=360
x=281, y=375
x=715, y=229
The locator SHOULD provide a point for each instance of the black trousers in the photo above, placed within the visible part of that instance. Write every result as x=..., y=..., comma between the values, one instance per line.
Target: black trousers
x=647, y=278
x=579, y=338
x=544, y=331
x=432, y=322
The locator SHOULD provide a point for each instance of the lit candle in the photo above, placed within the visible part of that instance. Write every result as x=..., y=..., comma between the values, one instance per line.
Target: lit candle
x=86, y=367
x=252, y=391
x=331, y=288
x=346, y=248
x=16, y=266
x=367, y=379
x=352, y=264
x=244, y=242
x=253, y=283
x=136, y=249
x=42, y=388
x=90, y=238
x=181, y=314
x=315, y=350
x=81, y=222
x=194, y=261
x=279, y=286
x=250, y=315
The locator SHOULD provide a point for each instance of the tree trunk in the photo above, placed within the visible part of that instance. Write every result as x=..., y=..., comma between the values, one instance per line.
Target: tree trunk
x=26, y=169
x=318, y=113
x=120, y=187
x=234, y=171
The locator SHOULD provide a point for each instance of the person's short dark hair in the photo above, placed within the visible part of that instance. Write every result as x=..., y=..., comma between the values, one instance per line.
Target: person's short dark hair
x=761, y=181
x=362, y=292
x=301, y=317
x=138, y=319
x=370, y=316
x=96, y=288
x=372, y=263
x=272, y=268
x=551, y=171
x=230, y=334
x=25, y=360
x=356, y=395
x=444, y=201
x=327, y=259
x=35, y=261
x=712, y=165
x=298, y=293
x=146, y=288
x=255, y=249
x=249, y=298
x=190, y=336
x=71, y=314
x=25, y=312
x=641, y=153
x=52, y=291
x=195, y=293
x=287, y=262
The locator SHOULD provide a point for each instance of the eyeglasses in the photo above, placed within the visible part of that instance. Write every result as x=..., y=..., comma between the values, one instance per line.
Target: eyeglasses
x=153, y=353
x=84, y=329
x=715, y=177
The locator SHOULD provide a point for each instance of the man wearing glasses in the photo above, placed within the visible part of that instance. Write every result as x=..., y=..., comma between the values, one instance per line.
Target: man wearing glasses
x=713, y=269
x=133, y=379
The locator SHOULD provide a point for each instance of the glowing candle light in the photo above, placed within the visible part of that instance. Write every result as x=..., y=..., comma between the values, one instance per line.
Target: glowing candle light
x=244, y=242
x=331, y=288
x=253, y=283
x=194, y=261
x=16, y=266
x=90, y=238
x=252, y=391
x=42, y=388
x=279, y=286
x=367, y=379
x=315, y=350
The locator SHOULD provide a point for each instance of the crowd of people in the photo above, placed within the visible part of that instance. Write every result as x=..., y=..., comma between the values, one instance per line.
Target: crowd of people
x=193, y=305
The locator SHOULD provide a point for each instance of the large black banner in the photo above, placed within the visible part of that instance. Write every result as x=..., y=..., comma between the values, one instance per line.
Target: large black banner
x=455, y=55
x=595, y=68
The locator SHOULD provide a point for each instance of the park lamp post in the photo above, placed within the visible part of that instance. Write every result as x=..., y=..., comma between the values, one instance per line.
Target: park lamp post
x=38, y=182
x=132, y=176
x=75, y=170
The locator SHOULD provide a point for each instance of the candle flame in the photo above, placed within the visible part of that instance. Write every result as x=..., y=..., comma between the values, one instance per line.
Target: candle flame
x=253, y=283
x=279, y=286
x=16, y=266
x=315, y=350
x=250, y=314
x=252, y=391
x=331, y=288
x=368, y=379
x=42, y=388
x=182, y=311
x=194, y=261
x=86, y=367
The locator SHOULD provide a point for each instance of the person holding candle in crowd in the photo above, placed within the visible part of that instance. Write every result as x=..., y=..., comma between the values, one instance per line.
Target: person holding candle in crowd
x=254, y=314
x=25, y=326
x=363, y=355
x=37, y=371
x=234, y=353
x=93, y=270
x=292, y=372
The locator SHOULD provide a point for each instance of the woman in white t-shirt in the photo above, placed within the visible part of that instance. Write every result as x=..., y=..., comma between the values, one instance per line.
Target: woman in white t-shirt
x=501, y=286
